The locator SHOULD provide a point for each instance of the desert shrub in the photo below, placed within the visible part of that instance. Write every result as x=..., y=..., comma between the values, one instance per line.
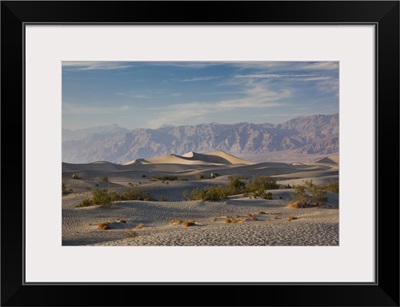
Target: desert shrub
x=235, y=186
x=213, y=193
x=200, y=176
x=131, y=234
x=136, y=194
x=139, y=226
x=176, y=222
x=300, y=194
x=163, y=198
x=143, y=176
x=164, y=178
x=189, y=223
x=103, y=226
x=253, y=218
x=104, y=197
x=331, y=187
x=319, y=196
x=308, y=195
x=290, y=218
x=76, y=177
x=257, y=186
x=86, y=202
x=260, y=212
x=130, y=183
x=227, y=221
x=104, y=178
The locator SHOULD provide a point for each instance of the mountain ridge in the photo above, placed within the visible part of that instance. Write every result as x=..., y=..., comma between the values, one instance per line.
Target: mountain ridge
x=314, y=134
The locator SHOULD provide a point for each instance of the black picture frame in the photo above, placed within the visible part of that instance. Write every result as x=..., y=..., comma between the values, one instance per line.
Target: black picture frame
x=383, y=14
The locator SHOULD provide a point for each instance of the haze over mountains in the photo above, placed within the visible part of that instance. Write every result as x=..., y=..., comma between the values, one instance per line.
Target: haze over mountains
x=315, y=134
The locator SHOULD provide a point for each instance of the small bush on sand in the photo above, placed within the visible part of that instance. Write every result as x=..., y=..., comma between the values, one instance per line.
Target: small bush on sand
x=163, y=198
x=136, y=194
x=74, y=176
x=104, y=178
x=139, y=226
x=103, y=226
x=131, y=234
x=121, y=221
x=308, y=195
x=260, y=212
x=227, y=221
x=176, y=222
x=253, y=218
x=291, y=218
x=257, y=186
x=86, y=202
x=189, y=223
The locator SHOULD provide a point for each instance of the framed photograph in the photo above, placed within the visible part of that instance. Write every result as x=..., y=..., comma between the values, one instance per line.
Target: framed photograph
x=247, y=146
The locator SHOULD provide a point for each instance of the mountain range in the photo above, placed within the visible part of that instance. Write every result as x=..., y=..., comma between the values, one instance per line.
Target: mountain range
x=314, y=134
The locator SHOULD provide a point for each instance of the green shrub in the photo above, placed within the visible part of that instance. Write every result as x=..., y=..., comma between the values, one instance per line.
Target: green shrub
x=257, y=186
x=331, y=187
x=86, y=202
x=309, y=195
x=136, y=194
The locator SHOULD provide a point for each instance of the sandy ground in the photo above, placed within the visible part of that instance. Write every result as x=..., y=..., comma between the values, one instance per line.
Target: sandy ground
x=312, y=227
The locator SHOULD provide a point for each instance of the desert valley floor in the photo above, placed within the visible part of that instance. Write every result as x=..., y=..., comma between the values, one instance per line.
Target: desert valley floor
x=255, y=222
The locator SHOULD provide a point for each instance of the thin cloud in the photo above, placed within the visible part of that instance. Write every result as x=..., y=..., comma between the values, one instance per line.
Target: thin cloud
x=200, y=79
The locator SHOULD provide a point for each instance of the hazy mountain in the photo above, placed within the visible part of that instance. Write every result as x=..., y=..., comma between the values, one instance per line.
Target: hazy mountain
x=315, y=134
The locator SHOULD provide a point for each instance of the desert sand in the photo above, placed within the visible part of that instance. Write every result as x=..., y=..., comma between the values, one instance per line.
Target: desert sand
x=256, y=222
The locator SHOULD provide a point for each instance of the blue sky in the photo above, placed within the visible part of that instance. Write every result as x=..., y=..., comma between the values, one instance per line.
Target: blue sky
x=152, y=94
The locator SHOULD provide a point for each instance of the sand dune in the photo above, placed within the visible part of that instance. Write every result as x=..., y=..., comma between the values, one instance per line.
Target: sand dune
x=313, y=226
x=334, y=159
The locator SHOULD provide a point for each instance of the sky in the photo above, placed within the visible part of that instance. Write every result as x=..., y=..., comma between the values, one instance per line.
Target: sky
x=153, y=94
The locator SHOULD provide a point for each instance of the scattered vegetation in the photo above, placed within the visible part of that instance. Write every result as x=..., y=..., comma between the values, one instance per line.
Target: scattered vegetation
x=227, y=221
x=143, y=176
x=121, y=221
x=104, y=197
x=74, y=176
x=104, y=179
x=253, y=218
x=167, y=177
x=260, y=212
x=310, y=195
x=257, y=186
x=131, y=234
x=254, y=188
x=290, y=218
x=163, y=198
x=103, y=226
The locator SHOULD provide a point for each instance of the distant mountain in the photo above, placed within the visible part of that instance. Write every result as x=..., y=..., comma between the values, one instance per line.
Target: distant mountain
x=315, y=134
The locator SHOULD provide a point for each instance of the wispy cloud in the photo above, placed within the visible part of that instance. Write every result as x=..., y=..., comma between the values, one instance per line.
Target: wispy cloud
x=289, y=66
x=89, y=65
x=258, y=96
x=200, y=79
